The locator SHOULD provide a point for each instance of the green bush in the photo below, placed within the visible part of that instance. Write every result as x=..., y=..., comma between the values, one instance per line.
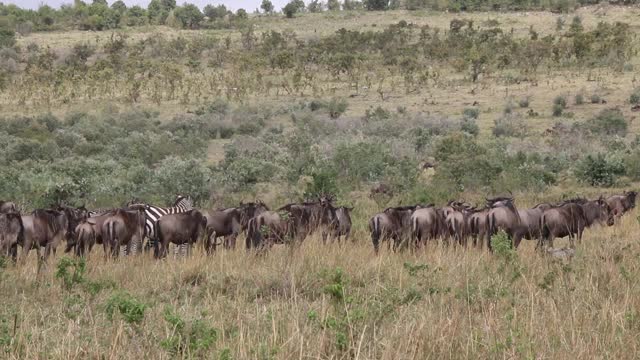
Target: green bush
x=510, y=125
x=188, y=339
x=470, y=127
x=559, y=104
x=599, y=170
x=471, y=113
x=595, y=99
x=131, y=309
x=608, y=122
x=557, y=110
x=634, y=98
x=579, y=99
x=337, y=107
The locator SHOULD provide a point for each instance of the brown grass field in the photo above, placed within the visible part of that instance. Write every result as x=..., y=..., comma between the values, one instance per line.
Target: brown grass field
x=340, y=301
x=439, y=303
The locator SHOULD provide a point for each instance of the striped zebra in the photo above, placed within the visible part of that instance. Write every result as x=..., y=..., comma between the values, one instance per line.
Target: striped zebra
x=154, y=213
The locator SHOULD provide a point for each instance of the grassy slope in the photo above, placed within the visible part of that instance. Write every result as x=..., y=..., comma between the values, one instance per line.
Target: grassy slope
x=465, y=304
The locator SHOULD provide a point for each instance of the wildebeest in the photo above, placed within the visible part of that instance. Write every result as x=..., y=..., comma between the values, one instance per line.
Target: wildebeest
x=393, y=223
x=342, y=223
x=96, y=223
x=11, y=233
x=478, y=225
x=530, y=221
x=457, y=220
x=503, y=215
x=620, y=204
x=427, y=223
x=85, y=238
x=122, y=227
x=183, y=228
x=229, y=223
x=571, y=217
x=291, y=222
x=8, y=207
x=44, y=228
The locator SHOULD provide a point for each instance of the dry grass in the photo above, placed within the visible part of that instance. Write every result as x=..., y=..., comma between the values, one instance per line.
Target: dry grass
x=442, y=303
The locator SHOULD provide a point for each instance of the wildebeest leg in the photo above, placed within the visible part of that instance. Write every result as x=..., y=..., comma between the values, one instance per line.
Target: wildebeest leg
x=13, y=252
x=26, y=247
x=375, y=239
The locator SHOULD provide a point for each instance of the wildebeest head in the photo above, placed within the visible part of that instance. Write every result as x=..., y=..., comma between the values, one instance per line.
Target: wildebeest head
x=598, y=211
x=8, y=207
x=250, y=210
x=630, y=199
x=74, y=216
x=11, y=231
x=400, y=214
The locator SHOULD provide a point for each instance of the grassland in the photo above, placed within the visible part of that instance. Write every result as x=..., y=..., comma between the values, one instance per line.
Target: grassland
x=337, y=301
x=341, y=301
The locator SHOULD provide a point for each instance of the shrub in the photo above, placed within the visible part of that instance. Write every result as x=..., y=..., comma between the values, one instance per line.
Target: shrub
x=608, y=122
x=131, y=309
x=595, y=99
x=471, y=113
x=70, y=278
x=579, y=99
x=557, y=110
x=188, y=339
x=634, y=98
x=599, y=171
x=470, y=127
x=559, y=104
x=337, y=107
x=524, y=102
x=510, y=125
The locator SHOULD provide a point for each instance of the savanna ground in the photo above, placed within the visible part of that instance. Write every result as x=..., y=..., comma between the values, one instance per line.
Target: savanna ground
x=100, y=131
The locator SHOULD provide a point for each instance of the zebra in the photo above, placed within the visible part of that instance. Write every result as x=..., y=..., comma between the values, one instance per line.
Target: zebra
x=154, y=213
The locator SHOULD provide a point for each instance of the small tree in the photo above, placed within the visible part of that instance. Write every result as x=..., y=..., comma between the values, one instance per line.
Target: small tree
x=599, y=171
x=267, y=6
x=376, y=4
x=242, y=14
x=215, y=12
x=290, y=10
x=333, y=5
x=314, y=6
x=608, y=122
x=189, y=16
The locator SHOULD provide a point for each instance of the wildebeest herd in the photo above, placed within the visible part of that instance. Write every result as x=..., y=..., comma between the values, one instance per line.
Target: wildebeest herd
x=459, y=222
x=124, y=230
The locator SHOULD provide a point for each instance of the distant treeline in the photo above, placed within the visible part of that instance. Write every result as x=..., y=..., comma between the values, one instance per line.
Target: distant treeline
x=100, y=16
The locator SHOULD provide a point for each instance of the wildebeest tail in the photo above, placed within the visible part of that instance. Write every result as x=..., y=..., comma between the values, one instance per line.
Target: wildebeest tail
x=374, y=227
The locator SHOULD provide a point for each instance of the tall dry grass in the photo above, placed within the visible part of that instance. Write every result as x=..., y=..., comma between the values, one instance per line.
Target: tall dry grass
x=337, y=302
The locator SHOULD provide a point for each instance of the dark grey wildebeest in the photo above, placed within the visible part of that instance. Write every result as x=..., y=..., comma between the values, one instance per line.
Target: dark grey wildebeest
x=621, y=204
x=391, y=224
x=44, y=229
x=571, y=217
x=503, y=215
x=291, y=223
x=8, y=207
x=122, y=228
x=427, y=223
x=229, y=223
x=11, y=234
x=183, y=228
x=342, y=224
